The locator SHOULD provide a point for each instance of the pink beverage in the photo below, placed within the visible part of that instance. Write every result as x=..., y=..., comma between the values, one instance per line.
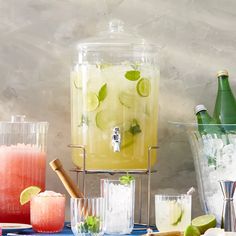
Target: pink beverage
x=21, y=166
x=23, y=161
x=47, y=212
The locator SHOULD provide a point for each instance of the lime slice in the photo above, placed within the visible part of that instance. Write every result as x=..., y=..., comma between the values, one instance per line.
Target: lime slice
x=127, y=99
x=192, y=231
x=27, y=193
x=105, y=119
x=127, y=139
x=204, y=222
x=176, y=212
x=143, y=87
x=92, y=101
x=132, y=75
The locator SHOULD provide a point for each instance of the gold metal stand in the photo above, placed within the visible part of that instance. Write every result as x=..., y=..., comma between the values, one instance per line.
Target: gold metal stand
x=139, y=172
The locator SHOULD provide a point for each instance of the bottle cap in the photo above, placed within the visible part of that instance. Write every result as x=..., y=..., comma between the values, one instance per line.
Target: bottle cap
x=199, y=108
x=222, y=73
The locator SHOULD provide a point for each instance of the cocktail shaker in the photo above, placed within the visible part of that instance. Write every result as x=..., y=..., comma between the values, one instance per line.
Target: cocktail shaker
x=228, y=214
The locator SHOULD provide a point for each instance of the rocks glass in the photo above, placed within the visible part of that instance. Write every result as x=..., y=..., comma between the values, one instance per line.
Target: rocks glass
x=173, y=212
x=47, y=212
x=87, y=216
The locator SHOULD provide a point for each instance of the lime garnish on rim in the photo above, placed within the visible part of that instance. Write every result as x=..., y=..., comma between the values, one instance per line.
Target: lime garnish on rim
x=143, y=87
x=92, y=101
x=132, y=75
x=176, y=212
x=27, y=193
x=126, y=179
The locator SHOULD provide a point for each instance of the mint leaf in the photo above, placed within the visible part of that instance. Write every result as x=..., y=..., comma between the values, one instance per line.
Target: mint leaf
x=102, y=93
x=90, y=225
x=126, y=179
x=132, y=75
x=135, y=127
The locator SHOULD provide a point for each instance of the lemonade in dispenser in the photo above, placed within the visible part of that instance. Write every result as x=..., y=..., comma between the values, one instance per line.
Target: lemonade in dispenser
x=114, y=100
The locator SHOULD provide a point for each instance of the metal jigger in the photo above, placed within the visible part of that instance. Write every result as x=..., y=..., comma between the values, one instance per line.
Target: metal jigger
x=228, y=214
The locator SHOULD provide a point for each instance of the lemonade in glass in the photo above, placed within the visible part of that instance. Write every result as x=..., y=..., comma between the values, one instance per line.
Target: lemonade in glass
x=173, y=212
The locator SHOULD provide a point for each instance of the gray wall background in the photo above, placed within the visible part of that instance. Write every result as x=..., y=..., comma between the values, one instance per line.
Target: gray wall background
x=36, y=39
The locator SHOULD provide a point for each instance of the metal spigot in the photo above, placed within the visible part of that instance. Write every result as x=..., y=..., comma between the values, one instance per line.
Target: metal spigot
x=228, y=214
x=116, y=139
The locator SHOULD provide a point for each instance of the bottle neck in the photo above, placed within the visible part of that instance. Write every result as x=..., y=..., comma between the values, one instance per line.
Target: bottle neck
x=203, y=117
x=223, y=83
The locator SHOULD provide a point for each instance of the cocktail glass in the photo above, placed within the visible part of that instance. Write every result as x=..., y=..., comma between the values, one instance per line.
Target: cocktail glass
x=119, y=206
x=173, y=212
x=47, y=212
x=87, y=216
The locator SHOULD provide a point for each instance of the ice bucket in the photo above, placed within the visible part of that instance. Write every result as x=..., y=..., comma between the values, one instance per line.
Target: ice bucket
x=23, y=163
x=214, y=159
x=114, y=91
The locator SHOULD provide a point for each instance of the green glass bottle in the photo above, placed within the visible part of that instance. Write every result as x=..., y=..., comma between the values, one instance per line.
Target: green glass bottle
x=206, y=124
x=225, y=106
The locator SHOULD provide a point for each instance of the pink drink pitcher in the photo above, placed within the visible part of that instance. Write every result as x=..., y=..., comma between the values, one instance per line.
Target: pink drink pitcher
x=23, y=163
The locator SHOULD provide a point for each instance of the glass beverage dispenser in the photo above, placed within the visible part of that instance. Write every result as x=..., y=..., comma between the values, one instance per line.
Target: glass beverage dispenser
x=114, y=100
x=23, y=162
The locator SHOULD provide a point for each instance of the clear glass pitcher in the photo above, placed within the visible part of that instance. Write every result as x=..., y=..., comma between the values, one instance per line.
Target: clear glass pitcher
x=23, y=163
x=114, y=100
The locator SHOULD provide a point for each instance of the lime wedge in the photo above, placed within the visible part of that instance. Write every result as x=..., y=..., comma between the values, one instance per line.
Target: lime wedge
x=143, y=87
x=127, y=99
x=192, y=231
x=92, y=101
x=27, y=193
x=176, y=212
x=204, y=222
